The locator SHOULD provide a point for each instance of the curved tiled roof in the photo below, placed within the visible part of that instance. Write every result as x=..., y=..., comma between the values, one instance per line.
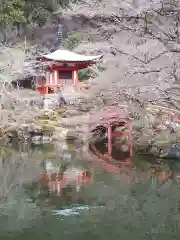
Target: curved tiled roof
x=68, y=56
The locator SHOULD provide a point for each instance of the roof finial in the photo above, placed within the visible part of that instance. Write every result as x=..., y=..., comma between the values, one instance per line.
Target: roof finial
x=60, y=34
x=59, y=38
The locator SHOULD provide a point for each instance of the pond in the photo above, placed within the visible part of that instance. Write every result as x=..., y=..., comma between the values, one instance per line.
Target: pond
x=142, y=202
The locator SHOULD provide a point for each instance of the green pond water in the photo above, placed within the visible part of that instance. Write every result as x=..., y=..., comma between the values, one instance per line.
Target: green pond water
x=137, y=204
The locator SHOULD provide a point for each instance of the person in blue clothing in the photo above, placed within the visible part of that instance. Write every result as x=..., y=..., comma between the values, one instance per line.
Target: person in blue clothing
x=61, y=100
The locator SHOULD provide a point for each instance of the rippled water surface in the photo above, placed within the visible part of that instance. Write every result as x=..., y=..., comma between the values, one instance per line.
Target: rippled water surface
x=142, y=202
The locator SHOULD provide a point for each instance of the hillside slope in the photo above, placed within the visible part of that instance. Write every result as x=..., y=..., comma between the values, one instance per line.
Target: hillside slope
x=140, y=43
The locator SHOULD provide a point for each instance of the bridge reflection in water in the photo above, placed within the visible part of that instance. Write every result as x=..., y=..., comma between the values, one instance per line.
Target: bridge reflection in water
x=113, y=126
x=111, y=140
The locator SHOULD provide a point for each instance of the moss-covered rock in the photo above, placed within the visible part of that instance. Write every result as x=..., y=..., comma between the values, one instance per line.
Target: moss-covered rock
x=12, y=131
x=48, y=123
x=47, y=115
x=60, y=111
x=60, y=134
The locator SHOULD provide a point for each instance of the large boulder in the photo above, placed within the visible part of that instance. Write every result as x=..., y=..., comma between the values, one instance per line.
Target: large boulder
x=12, y=131
x=71, y=135
x=47, y=114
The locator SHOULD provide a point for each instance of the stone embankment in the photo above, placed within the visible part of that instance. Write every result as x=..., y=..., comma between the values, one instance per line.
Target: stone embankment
x=155, y=130
x=45, y=128
x=43, y=120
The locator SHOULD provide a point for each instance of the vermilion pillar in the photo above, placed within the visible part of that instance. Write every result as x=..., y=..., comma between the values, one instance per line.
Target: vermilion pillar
x=48, y=79
x=75, y=77
x=56, y=77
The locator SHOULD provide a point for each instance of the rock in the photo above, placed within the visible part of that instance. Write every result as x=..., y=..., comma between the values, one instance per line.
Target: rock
x=120, y=140
x=23, y=132
x=61, y=134
x=37, y=139
x=60, y=111
x=150, y=118
x=12, y=131
x=61, y=146
x=41, y=140
x=155, y=150
x=64, y=134
x=48, y=115
x=161, y=127
x=71, y=112
x=156, y=122
x=175, y=137
x=162, y=138
x=84, y=86
x=84, y=105
x=143, y=144
x=148, y=133
x=48, y=130
x=164, y=151
x=137, y=125
x=119, y=129
x=33, y=127
x=175, y=127
x=71, y=135
x=56, y=137
x=51, y=101
x=124, y=148
x=1, y=131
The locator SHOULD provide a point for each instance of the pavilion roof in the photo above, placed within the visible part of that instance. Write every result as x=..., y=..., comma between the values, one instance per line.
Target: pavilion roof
x=68, y=56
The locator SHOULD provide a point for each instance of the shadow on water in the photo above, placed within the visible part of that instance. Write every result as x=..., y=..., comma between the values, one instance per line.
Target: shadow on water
x=116, y=153
x=51, y=191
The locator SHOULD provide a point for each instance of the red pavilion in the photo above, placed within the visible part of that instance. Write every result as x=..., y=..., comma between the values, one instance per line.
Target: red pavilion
x=62, y=68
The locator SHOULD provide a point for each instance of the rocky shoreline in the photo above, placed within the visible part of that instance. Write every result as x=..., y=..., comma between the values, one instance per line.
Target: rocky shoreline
x=140, y=66
x=25, y=120
x=46, y=128
x=151, y=134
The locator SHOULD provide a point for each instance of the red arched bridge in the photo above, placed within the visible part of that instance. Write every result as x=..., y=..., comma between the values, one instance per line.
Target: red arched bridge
x=110, y=126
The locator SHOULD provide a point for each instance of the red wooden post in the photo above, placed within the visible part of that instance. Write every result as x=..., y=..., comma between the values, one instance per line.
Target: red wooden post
x=130, y=139
x=109, y=140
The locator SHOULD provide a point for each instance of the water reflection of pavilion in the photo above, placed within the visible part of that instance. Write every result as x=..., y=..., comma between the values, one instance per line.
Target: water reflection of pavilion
x=57, y=177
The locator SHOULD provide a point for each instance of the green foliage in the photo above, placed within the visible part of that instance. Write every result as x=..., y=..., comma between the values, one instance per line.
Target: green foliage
x=11, y=12
x=85, y=74
x=29, y=11
x=38, y=11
